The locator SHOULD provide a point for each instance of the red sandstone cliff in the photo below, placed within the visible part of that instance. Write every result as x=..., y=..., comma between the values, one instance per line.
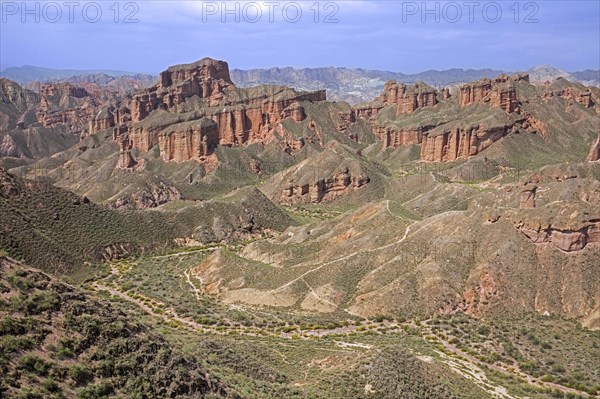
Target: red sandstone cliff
x=77, y=109
x=189, y=140
x=63, y=103
x=499, y=92
x=392, y=136
x=323, y=189
x=459, y=143
x=199, y=92
x=407, y=99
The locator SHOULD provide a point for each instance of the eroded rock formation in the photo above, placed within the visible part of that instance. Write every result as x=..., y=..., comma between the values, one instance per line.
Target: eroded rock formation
x=564, y=239
x=594, y=155
x=527, y=199
x=323, y=189
x=126, y=160
x=63, y=103
x=206, y=79
x=192, y=95
x=76, y=108
x=571, y=95
x=460, y=143
x=499, y=92
x=189, y=140
x=392, y=136
x=407, y=99
x=414, y=97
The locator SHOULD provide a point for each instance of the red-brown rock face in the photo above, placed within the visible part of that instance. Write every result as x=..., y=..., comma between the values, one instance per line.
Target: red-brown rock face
x=459, y=143
x=241, y=116
x=499, y=92
x=392, y=136
x=323, y=189
x=527, y=199
x=368, y=110
x=595, y=151
x=206, y=79
x=565, y=240
x=63, y=103
x=294, y=111
x=571, y=96
x=126, y=160
x=80, y=111
x=190, y=140
x=414, y=97
x=408, y=98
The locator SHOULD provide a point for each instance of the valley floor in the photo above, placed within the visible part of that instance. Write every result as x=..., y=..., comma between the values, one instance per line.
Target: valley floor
x=162, y=289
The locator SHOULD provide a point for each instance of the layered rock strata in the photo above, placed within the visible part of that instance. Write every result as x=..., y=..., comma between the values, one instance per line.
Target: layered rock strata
x=458, y=143
x=500, y=92
x=202, y=109
x=323, y=189
x=407, y=99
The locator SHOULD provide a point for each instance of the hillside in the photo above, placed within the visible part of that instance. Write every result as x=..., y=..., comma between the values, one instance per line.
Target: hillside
x=57, y=342
x=60, y=232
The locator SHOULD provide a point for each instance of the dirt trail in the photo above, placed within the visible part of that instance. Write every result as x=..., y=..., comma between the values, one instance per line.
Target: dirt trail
x=471, y=361
x=462, y=363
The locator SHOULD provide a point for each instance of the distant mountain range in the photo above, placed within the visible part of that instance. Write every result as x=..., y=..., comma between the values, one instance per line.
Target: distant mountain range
x=352, y=85
x=360, y=85
x=342, y=84
x=29, y=73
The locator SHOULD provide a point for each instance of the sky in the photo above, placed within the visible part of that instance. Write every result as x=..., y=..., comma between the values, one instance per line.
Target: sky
x=401, y=36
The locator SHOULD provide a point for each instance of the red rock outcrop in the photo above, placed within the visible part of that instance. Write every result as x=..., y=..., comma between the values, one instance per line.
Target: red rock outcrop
x=189, y=140
x=126, y=160
x=527, y=199
x=79, y=110
x=585, y=99
x=414, y=97
x=571, y=95
x=407, y=99
x=565, y=240
x=206, y=79
x=499, y=92
x=392, y=93
x=459, y=143
x=595, y=151
x=366, y=111
x=392, y=136
x=294, y=111
x=241, y=116
x=323, y=189
x=534, y=125
x=345, y=119
x=63, y=103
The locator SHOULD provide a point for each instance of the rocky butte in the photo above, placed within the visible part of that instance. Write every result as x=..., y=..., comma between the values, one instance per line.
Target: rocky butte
x=195, y=107
x=406, y=99
x=499, y=92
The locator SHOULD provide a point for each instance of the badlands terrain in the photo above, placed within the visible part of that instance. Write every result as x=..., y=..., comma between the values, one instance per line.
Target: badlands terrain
x=190, y=237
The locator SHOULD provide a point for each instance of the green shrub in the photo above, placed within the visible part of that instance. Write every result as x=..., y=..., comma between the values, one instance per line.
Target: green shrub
x=34, y=364
x=99, y=391
x=548, y=378
x=80, y=375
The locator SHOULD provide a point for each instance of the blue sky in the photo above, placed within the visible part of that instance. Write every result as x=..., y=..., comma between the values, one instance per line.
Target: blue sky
x=389, y=35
